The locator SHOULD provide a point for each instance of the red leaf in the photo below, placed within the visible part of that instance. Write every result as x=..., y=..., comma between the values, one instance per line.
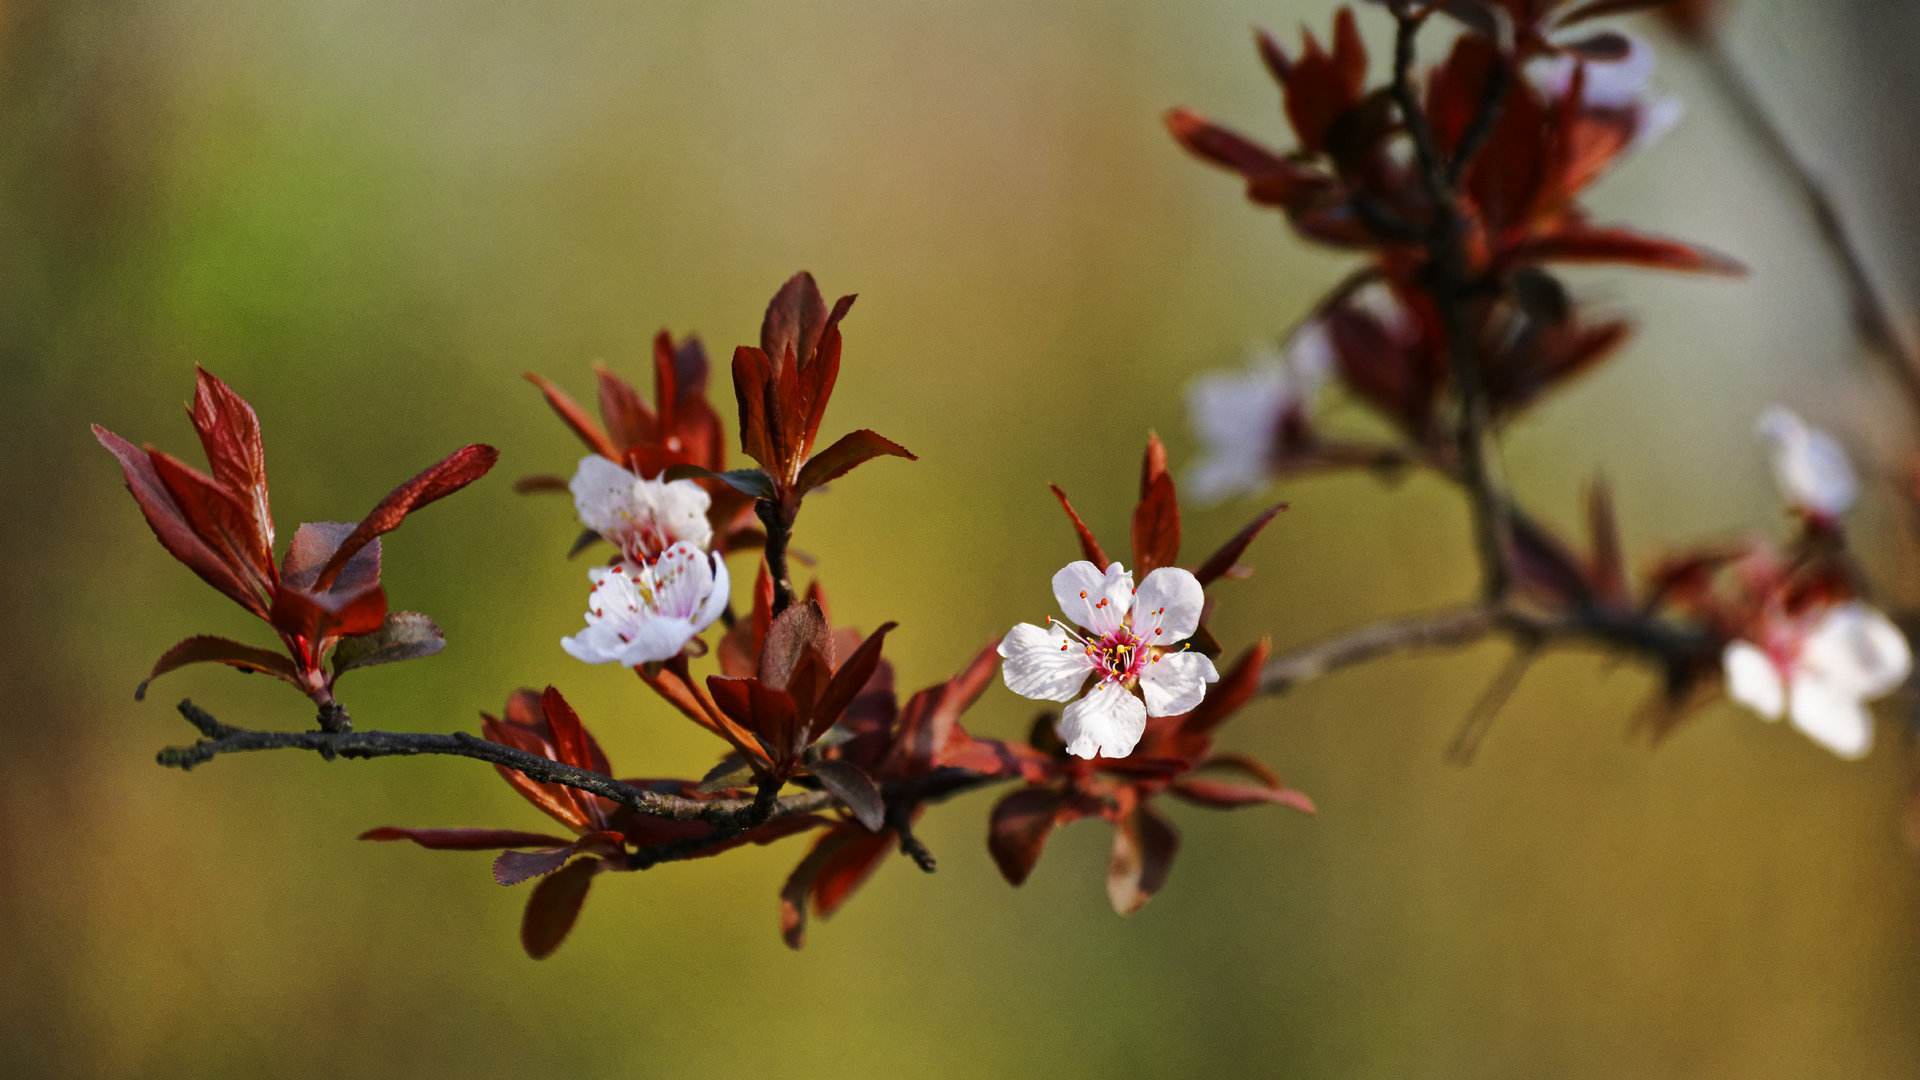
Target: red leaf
x=230, y=434
x=1156, y=527
x=629, y=422
x=928, y=722
x=450, y=474
x=1236, y=687
x=850, y=679
x=466, y=839
x=572, y=742
x=850, y=450
x=1222, y=795
x=514, y=867
x=795, y=318
x=576, y=418
x=1271, y=180
x=1586, y=244
x=1088, y=545
x=753, y=391
x=554, y=906
x=220, y=516
x=1143, y=848
x=170, y=526
x=203, y=649
x=800, y=885
x=796, y=630
x=1019, y=827
x=1223, y=560
x=1608, y=565
x=854, y=787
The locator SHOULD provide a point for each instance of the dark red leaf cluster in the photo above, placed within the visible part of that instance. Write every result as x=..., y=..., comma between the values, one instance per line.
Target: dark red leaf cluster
x=325, y=591
x=1521, y=139
x=605, y=835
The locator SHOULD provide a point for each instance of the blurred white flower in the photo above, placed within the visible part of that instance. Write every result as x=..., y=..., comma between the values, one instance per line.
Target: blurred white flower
x=1809, y=465
x=1613, y=84
x=1126, y=639
x=1821, y=676
x=1239, y=416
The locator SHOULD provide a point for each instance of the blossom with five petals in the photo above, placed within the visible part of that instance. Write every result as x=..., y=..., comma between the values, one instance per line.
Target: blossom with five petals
x=1127, y=640
x=1820, y=670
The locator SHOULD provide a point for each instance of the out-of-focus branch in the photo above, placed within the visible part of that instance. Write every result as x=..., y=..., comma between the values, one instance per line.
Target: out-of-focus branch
x=1873, y=309
x=1449, y=280
x=1669, y=645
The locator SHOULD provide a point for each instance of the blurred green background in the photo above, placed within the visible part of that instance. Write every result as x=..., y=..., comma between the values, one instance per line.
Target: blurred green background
x=371, y=218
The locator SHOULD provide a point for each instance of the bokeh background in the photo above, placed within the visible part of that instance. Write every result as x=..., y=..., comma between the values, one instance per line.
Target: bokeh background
x=371, y=218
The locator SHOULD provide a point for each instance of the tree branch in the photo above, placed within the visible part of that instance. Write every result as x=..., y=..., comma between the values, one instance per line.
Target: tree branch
x=1450, y=281
x=1872, y=308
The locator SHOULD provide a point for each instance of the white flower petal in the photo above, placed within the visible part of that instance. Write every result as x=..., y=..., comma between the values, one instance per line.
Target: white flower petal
x=1831, y=717
x=1167, y=607
x=603, y=496
x=1809, y=465
x=1174, y=683
x=1045, y=665
x=1105, y=723
x=677, y=509
x=717, y=596
x=1092, y=599
x=1753, y=680
x=659, y=638
x=1857, y=651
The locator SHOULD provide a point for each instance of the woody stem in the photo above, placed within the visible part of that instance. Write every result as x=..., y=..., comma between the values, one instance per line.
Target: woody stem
x=779, y=526
x=1450, y=282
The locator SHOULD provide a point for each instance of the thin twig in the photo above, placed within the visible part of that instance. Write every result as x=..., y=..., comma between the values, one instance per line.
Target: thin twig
x=1873, y=309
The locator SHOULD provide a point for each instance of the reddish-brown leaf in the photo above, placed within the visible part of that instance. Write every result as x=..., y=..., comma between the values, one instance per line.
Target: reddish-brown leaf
x=1223, y=560
x=1594, y=244
x=230, y=434
x=753, y=391
x=851, y=677
x=850, y=450
x=554, y=906
x=796, y=630
x=1236, y=687
x=1018, y=829
x=443, y=478
x=1089, y=546
x=927, y=724
x=572, y=742
x=203, y=649
x=575, y=417
x=1223, y=795
x=1144, y=844
x=854, y=787
x=629, y=422
x=799, y=886
x=1156, y=527
x=466, y=839
x=220, y=516
x=171, y=527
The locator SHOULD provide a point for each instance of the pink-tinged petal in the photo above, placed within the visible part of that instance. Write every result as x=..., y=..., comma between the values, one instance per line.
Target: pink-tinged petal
x=1830, y=716
x=1809, y=465
x=1045, y=665
x=1167, y=608
x=1857, y=651
x=1753, y=680
x=1106, y=723
x=1175, y=682
x=1092, y=599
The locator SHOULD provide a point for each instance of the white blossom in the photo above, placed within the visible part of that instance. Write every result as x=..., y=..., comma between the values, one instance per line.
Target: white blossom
x=641, y=517
x=1821, y=672
x=1238, y=416
x=1809, y=465
x=1126, y=640
x=643, y=612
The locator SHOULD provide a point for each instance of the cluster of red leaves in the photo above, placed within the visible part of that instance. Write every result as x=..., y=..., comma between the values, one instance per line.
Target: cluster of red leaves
x=1174, y=756
x=606, y=835
x=1525, y=152
x=324, y=599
